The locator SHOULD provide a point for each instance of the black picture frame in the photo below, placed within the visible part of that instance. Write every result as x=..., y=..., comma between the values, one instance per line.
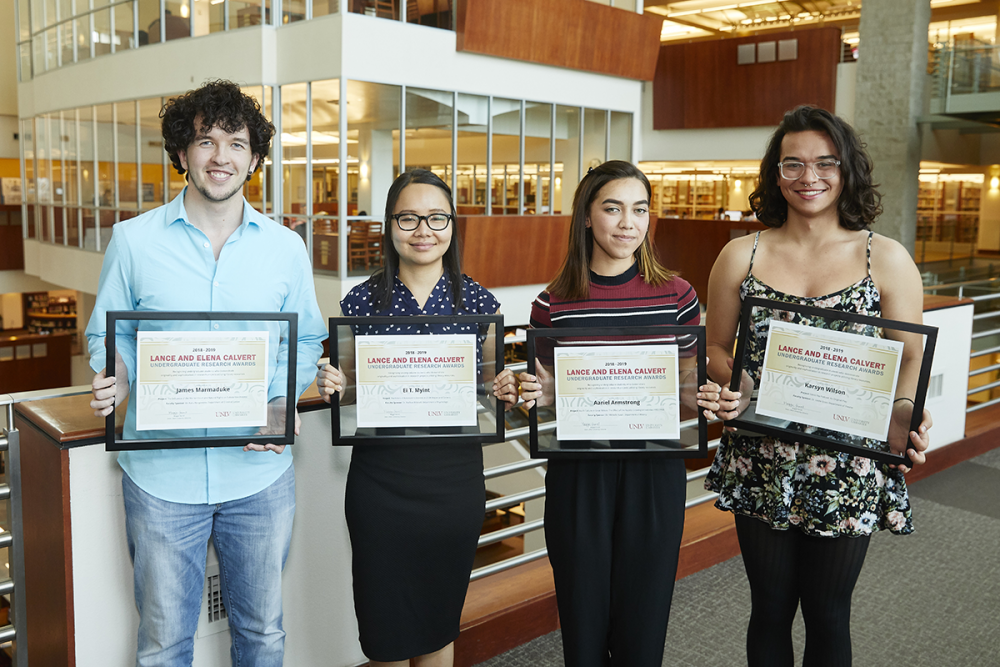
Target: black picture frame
x=416, y=435
x=113, y=444
x=750, y=421
x=671, y=448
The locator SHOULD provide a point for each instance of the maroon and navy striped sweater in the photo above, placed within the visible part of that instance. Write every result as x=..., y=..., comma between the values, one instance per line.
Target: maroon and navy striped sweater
x=625, y=300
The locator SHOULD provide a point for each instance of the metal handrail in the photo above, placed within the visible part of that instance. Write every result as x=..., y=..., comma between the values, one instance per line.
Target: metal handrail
x=984, y=404
x=985, y=387
x=504, y=502
x=508, y=564
x=987, y=284
x=14, y=586
x=984, y=334
x=986, y=369
x=513, y=531
x=980, y=353
x=517, y=466
x=962, y=283
x=700, y=500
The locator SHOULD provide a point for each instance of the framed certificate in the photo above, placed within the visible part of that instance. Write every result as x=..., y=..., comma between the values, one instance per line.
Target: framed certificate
x=205, y=379
x=830, y=378
x=417, y=380
x=627, y=391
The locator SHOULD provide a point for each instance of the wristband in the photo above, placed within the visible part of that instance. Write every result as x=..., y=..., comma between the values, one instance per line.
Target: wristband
x=904, y=398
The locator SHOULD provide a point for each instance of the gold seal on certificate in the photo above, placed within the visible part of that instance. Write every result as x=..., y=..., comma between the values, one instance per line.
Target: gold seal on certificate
x=416, y=380
x=829, y=379
x=619, y=392
x=201, y=379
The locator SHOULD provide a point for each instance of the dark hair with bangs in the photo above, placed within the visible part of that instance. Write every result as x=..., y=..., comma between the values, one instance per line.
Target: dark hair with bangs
x=219, y=104
x=572, y=283
x=380, y=283
x=860, y=202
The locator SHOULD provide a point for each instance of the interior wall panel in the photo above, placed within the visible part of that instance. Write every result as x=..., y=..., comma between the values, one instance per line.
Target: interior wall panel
x=700, y=85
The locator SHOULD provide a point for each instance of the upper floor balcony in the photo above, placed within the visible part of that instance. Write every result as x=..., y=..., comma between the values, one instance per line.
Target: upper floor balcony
x=966, y=82
x=52, y=34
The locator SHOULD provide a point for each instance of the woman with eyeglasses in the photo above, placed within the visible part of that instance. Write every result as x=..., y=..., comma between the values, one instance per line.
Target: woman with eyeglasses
x=415, y=511
x=804, y=514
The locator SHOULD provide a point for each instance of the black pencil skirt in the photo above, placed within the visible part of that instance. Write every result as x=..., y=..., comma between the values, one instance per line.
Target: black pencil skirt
x=414, y=513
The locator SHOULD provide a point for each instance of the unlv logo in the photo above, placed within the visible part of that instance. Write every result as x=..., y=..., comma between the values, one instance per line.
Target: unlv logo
x=433, y=413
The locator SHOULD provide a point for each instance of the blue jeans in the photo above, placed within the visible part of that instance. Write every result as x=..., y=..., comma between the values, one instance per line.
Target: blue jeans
x=168, y=543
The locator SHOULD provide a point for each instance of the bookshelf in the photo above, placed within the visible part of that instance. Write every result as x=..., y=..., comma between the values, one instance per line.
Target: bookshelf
x=45, y=314
x=948, y=211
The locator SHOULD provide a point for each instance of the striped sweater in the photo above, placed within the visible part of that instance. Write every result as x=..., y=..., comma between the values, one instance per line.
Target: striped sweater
x=625, y=300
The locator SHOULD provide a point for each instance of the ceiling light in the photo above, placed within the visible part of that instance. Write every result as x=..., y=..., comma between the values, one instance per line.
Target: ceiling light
x=686, y=13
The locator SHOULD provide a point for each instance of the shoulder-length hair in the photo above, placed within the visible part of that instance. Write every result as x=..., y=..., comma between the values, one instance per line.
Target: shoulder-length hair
x=860, y=202
x=572, y=283
x=380, y=283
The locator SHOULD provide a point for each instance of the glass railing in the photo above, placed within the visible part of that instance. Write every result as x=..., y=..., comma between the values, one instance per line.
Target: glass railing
x=964, y=71
x=52, y=35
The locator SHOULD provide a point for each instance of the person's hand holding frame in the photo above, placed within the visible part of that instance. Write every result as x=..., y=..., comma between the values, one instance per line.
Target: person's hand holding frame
x=268, y=437
x=907, y=414
x=541, y=393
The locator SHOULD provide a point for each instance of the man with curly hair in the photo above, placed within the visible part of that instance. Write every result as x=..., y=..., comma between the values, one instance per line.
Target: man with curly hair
x=207, y=250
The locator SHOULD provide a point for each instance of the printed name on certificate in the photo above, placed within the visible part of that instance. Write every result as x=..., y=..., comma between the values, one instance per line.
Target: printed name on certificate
x=201, y=379
x=628, y=392
x=829, y=379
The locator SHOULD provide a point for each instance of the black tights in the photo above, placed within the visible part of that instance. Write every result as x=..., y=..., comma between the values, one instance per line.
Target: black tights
x=786, y=567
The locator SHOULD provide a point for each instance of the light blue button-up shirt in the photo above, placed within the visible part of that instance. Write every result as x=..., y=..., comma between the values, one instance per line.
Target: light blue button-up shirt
x=160, y=261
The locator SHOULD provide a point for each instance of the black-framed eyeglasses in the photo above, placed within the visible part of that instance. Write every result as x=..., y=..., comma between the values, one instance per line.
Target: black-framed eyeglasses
x=823, y=169
x=408, y=222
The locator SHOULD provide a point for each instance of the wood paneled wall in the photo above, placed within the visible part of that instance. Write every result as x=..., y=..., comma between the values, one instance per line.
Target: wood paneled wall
x=567, y=33
x=507, y=250
x=699, y=85
x=30, y=373
x=11, y=248
x=500, y=251
x=691, y=246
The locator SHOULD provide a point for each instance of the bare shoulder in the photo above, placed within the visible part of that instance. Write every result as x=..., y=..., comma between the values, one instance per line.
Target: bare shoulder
x=889, y=254
x=893, y=269
x=735, y=256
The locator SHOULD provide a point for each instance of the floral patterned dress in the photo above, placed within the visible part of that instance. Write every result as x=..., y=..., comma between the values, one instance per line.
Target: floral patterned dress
x=819, y=491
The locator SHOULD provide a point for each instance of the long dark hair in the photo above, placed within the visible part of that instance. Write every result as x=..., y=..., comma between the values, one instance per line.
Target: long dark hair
x=572, y=283
x=860, y=202
x=381, y=281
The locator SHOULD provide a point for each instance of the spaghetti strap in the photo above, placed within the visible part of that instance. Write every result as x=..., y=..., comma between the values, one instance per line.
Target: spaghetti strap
x=754, y=252
x=869, y=253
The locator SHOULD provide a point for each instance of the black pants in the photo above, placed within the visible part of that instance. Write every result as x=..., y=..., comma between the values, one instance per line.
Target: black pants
x=786, y=567
x=613, y=530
